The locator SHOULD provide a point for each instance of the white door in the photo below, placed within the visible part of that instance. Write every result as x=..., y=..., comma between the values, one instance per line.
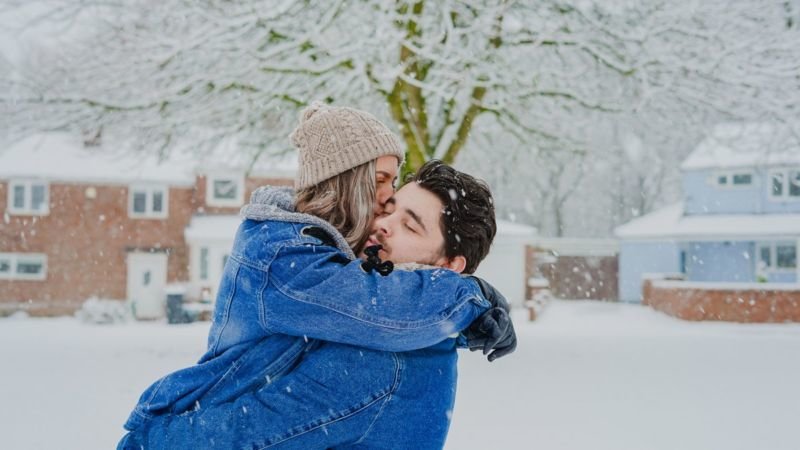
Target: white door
x=147, y=278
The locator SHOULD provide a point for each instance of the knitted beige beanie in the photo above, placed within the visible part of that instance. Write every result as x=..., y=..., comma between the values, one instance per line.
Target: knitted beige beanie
x=332, y=140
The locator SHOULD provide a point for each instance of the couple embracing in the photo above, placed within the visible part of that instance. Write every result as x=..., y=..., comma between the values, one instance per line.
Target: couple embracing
x=341, y=306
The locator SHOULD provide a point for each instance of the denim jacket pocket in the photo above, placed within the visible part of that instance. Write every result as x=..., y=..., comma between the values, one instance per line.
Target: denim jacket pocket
x=318, y=395
x=262, y=364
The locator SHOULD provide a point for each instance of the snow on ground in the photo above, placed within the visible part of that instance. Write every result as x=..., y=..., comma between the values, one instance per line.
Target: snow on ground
x=587, y=375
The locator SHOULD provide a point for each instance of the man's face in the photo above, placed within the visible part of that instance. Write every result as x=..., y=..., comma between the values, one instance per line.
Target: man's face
x=385, y=179
x=409, y=229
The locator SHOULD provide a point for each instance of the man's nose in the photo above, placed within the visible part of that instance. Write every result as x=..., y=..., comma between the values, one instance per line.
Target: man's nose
x=382, y=225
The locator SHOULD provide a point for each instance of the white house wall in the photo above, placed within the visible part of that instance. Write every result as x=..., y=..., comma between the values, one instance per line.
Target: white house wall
x=725, y=261
x=504, y=268
x=703, y=196
x=638, y=258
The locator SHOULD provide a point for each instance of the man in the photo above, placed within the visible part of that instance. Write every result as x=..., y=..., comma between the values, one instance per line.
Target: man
x=339, y=396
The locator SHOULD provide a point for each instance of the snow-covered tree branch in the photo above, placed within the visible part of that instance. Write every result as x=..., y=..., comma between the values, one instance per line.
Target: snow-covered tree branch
x=244, y=68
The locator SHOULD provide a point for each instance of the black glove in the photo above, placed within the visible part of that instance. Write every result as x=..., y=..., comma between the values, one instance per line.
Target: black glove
x=493, y=295
x=493, y=330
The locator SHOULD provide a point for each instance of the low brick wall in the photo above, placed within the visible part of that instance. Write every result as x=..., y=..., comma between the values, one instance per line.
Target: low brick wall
x=707, y=301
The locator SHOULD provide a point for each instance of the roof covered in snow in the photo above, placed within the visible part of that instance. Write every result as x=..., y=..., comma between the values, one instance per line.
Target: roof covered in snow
x=670, y=223
x=506, y=228
x=578, y=246
x=213, y=228
x=733, y=145
x=64, y=157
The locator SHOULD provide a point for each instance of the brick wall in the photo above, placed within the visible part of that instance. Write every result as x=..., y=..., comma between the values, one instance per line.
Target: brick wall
x=692, y=301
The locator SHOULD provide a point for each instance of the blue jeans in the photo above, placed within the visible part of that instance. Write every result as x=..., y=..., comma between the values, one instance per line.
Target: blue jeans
x=338, y=396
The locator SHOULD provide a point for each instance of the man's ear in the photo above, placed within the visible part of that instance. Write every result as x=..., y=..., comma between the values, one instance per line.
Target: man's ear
x=456, y=264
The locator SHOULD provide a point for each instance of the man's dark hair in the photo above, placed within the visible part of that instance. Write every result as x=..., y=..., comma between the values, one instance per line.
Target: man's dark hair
x=468, y=223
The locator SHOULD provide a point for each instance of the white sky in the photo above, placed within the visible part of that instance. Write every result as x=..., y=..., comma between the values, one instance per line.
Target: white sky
x=20, y=31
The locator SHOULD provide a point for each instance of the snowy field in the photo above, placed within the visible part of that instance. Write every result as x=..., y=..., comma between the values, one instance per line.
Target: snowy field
x=586, y=376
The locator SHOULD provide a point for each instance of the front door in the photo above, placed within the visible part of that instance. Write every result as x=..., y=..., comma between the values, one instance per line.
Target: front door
x=147, y=278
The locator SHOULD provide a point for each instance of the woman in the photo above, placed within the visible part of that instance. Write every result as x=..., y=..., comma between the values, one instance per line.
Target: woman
x=292, y=276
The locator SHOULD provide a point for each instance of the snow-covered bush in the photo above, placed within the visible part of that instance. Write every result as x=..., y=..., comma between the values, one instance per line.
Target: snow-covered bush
x=104, y=311
x=18, y=315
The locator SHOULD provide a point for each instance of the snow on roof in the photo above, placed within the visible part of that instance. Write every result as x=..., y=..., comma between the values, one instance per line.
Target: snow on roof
x=228, y=155
x=670, y=223
x=63, y=157
x=212, y=228
x=732, y=145
x=578, y=246
x=506, y=228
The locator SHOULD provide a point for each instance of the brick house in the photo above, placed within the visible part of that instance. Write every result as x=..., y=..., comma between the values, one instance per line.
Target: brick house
x=79, y=221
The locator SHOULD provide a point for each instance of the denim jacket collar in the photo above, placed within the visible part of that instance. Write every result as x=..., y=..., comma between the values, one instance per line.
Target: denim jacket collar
x=277, y=203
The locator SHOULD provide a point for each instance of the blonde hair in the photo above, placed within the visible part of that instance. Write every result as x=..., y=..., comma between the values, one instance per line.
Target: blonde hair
x=346, y=201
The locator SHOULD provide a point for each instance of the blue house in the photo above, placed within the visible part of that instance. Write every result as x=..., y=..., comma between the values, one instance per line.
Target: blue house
x=739, y=220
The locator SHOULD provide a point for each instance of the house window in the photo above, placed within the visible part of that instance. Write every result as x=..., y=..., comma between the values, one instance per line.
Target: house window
x=23, y=266
x=777, y=256
x=777, y=184
x=785, y=184
x=224, y=190
x=5, y=265
x=148, y=202
x=786, y=256
x=28, y=197
x=742, y=179
x=734, y=179
x=765, y=257
x=683, y=261
x=794, y=183
x=204, y=263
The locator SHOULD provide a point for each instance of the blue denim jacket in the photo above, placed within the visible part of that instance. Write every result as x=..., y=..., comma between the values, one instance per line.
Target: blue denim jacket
x=337, y=397
x=283, y=287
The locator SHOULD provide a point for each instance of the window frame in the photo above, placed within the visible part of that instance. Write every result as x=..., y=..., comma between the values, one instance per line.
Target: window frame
x=27, y=209
x=212, y=200
x=785, y=189
x=150, y=190
x=773, y=257
x=729, y=176
x=16, y=258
